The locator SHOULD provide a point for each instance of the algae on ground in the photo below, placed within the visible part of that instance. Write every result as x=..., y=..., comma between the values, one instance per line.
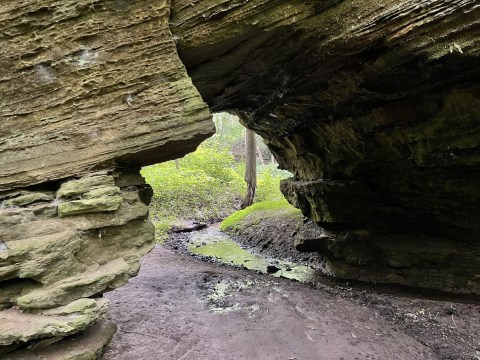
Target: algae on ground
x=214, y=244
x=227, y=251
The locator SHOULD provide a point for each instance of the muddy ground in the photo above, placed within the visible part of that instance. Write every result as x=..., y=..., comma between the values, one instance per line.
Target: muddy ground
x=182, y=307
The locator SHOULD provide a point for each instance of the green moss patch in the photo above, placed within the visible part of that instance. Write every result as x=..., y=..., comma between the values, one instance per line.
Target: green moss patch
x=260, y=209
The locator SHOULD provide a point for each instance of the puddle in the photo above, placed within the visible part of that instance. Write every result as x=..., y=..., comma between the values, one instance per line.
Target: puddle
x=217, y=245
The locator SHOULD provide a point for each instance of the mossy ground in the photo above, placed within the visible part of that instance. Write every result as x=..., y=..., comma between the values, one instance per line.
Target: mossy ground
x=270, y=229
x=258, y=211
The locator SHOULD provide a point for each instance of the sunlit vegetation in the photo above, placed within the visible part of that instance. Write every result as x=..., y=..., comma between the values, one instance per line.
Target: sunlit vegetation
x=208, y=185
x=233, y=220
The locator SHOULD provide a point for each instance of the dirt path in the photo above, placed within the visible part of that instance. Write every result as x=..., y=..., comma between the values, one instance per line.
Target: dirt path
x=182, y=308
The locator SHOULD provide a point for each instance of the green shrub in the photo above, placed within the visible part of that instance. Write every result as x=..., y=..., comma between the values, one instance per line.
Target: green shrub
x=205, y=187
x=216, y=163
x=268, y=183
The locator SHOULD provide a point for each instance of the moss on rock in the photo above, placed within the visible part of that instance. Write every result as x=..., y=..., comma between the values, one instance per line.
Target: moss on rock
x=88, y=206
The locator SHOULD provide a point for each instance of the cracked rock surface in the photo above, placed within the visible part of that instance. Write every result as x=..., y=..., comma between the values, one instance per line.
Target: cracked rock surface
x=54, y=264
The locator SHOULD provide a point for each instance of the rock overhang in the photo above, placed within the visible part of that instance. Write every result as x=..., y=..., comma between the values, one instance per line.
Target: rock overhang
x=375, y=110
x=373, y=107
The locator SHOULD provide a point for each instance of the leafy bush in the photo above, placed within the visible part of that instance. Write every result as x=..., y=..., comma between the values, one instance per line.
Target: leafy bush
x=204, y=187
x=200, y=190
x=268, y=182
x=213, y=162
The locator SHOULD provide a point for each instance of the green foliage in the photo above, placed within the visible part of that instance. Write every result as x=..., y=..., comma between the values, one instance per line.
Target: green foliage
x=229, y=131
x=268, y=182
x=208, y=184
x=213, y=163
x=163, y=223
x=204, y=187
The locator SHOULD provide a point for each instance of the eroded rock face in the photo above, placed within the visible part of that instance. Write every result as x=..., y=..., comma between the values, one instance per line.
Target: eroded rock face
x=57, y=257
x=88, y=345
x=374, y=107
x=91, y=85
x=17, y=326
x=90, y=91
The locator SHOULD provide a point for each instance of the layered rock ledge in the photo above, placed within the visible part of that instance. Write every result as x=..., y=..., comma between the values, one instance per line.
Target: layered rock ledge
x=375, y=109
x=373, y=106
x=60, y=250
x=90, y=92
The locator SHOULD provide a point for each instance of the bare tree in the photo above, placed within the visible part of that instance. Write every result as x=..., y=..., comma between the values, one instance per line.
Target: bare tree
x=251, y=168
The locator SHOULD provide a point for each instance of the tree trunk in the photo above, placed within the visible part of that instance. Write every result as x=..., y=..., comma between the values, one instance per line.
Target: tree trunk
x=251, y=168
x=260, y=155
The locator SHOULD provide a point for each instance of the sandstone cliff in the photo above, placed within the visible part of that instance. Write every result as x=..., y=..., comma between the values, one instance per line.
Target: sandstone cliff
x=374, y=106
x=90, y=91
x=375, y=109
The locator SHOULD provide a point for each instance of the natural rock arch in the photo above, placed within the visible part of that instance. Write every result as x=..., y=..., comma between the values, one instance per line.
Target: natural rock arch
x=374, y=108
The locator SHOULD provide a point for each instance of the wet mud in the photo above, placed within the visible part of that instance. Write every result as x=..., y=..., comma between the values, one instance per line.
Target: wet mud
x=208, y=305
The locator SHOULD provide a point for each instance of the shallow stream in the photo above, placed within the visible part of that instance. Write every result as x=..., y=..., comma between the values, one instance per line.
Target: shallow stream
x=215, y=244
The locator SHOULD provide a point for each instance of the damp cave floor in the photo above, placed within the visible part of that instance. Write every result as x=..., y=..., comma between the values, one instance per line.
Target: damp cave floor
x=180, y=307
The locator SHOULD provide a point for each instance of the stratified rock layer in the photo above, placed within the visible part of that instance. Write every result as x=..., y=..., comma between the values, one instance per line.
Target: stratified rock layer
x=17, y=326
x=53, y=260
x=90, y=91
x=91, y=84
x=373, y=106
x=375, y=109
x=88, y=345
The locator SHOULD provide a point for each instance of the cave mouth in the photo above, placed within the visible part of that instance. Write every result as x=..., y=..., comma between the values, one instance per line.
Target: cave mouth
x=376, y=121
x=374, y=109
x=208, y=185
